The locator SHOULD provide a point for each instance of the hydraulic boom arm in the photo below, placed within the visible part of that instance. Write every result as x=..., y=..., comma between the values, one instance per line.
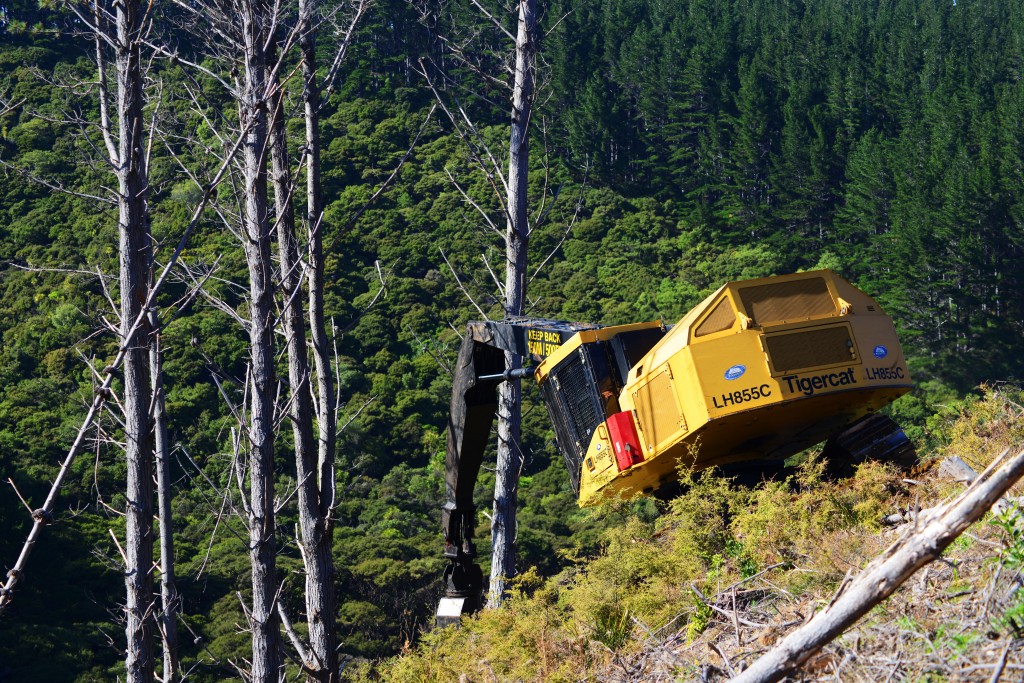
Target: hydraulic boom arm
x=478, y=371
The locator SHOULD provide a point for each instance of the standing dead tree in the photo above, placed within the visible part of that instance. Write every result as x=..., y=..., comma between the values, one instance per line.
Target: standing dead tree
x=130, y=334
x=43, y=516
x=247, y=29
x=117, y=32
x=315, y=487
x=314, y=423
x=517, y=237
x=239, y=36
x=136, y=254
x=509, y=185
x=127, y=157
x=169, y=599
x=311, y=400
x=314, y=453
x=316, y=523
x=253, y=40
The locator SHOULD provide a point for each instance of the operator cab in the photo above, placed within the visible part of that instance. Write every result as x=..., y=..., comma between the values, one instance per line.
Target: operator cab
x=581, y=382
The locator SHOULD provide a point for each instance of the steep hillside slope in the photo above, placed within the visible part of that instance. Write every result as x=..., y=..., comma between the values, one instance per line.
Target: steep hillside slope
x=702, y=589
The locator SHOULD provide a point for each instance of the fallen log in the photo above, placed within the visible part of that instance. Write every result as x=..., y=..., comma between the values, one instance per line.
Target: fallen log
x=956, y=469
x=959, y=470
x=921, y=544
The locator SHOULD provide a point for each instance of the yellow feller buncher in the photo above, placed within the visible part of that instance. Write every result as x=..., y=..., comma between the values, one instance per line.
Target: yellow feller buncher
x=759, y=370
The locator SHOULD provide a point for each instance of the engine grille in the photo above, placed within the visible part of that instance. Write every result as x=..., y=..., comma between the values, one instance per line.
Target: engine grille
x=720, y=319
x=805, y=350
x=781, y=301
x=576, y=386
x=574, y=406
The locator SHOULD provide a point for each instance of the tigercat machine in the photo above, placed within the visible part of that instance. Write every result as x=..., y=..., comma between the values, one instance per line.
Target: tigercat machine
x=759, y=370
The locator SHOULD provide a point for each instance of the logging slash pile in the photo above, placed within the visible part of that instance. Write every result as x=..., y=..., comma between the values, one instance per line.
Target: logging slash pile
x=725, y=575
x=957, y=619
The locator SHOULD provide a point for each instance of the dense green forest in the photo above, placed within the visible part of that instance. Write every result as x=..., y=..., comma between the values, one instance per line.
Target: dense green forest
x=681, y=143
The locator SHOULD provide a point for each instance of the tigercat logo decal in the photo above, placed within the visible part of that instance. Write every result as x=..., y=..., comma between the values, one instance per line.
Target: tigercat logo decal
x=809, y=386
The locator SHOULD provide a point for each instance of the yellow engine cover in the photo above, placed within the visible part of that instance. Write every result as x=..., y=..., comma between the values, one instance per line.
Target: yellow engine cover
x=761, y=369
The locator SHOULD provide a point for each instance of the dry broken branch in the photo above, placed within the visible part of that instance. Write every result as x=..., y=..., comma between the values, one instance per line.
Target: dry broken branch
x=103, y=392
x=921, y=545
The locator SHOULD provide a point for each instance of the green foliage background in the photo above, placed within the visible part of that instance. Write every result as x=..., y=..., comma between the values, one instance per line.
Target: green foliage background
x=702, y=141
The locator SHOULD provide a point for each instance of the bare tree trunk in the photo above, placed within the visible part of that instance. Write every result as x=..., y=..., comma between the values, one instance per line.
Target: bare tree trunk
x=134, y=256
x=161, y=443
x=44, y=515
x=327, y=416
x=315, y=517
x=321, y=660
x=256, y=235
x=517, y=236
x=506, y=494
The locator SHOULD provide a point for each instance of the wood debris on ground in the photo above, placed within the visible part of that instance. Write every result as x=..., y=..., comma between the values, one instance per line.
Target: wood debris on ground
x=945, y=623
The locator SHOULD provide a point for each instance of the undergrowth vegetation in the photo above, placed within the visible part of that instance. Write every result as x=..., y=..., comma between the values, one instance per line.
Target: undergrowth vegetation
x=654, y=573
x=979, y=429
x=799, y=535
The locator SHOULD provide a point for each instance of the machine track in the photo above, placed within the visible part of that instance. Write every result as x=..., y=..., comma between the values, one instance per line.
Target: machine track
x=875, y=437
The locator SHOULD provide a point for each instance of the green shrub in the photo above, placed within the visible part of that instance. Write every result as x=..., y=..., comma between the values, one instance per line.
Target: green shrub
x=1012, y=559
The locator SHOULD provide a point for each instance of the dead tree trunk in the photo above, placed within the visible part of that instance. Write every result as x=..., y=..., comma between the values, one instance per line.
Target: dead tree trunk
x=517, y=235
x=43, y=516
x=327, y=413
x=315, y=511
x=886, y=573
x=320, y=661
x=134, y=260
x=256, y=238
x=162, y=447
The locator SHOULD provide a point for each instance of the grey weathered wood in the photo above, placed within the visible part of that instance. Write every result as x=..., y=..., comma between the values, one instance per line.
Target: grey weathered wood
x=957, y=469
x=884, y=574
x=254, y=18
x=169, y=598
x=517, y=237
x=134, y=252
x=316, y=504
x=327, y=417
x=43, y=516
x=320, y=659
